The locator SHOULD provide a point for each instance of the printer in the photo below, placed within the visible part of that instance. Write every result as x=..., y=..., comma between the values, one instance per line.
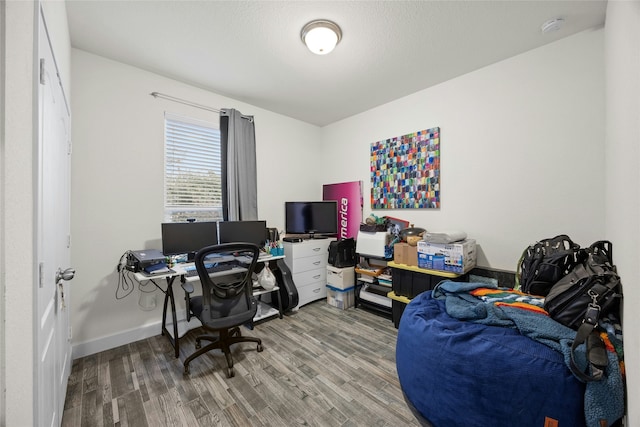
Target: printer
x=372, y=243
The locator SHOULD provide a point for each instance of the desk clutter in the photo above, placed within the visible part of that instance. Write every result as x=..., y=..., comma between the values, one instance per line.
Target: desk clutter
x=152, y=262
x=273, y=248
x=191, y=271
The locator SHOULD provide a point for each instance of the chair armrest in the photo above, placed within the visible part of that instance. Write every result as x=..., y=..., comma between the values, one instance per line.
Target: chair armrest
x=188, y=290
x=188, y=287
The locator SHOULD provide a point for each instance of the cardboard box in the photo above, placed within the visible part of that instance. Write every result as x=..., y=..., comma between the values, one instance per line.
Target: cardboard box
x=458, y=257
x=403, y=253
x=341, y=278
x=341, y=298
x=398, y=253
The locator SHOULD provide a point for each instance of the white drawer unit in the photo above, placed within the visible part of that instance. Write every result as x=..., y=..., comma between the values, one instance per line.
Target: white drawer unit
x=310, y=293
x=307, y=261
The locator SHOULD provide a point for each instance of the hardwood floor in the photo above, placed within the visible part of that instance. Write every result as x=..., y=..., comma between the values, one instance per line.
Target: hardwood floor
x=321, y=366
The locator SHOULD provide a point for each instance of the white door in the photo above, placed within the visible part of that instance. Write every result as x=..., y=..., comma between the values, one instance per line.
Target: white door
x=52, y=327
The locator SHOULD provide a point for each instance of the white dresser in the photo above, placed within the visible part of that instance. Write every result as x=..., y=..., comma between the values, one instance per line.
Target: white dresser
x=307, y=261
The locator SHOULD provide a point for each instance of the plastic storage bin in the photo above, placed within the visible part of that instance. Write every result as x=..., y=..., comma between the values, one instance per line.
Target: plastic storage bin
x=340, y=298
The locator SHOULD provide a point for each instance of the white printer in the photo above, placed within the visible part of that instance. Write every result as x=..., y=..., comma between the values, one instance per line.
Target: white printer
x=372, y=243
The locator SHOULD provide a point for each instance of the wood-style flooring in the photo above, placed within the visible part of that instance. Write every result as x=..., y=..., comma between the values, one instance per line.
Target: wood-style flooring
x=321, y=366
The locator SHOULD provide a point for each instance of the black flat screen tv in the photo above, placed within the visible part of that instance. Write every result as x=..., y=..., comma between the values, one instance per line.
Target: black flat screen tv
x=312, y=218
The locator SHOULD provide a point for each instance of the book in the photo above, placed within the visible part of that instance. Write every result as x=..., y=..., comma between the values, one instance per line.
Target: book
x=386, y=283
x=367, y=279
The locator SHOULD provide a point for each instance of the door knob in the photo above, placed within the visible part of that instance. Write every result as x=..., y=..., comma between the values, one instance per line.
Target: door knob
x=67, y=274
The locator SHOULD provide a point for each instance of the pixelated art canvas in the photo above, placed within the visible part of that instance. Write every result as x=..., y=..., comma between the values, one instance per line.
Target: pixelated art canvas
x=405, y=171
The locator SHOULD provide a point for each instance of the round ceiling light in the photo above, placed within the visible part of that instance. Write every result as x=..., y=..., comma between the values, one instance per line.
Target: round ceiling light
x=321, y=36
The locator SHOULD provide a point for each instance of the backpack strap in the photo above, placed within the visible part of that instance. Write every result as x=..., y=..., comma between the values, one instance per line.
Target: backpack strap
x=596, y=354
x=596, y=351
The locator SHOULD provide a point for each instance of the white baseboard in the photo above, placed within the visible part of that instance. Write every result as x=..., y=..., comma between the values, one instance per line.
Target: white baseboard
x=131, y=335
x=105, y=343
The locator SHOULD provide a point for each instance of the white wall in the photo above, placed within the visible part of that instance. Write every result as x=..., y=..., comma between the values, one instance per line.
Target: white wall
x=521, y=148
x=117, y=190
x=622, y=59
x=18, y=221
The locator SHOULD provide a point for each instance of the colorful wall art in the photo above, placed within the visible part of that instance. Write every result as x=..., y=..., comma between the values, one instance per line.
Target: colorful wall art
x=405, y=171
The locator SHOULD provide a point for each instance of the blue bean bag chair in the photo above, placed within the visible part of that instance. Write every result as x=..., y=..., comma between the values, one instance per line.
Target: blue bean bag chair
x=460, y=373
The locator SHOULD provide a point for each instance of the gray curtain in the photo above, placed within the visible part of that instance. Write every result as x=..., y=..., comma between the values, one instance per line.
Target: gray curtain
x=238, y=139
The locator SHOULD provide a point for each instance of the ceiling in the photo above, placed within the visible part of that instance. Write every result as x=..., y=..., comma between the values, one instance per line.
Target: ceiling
x=251, y=50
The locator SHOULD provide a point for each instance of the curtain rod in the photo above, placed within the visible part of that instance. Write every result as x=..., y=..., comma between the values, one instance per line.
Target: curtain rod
x=192, y=104
x=183, y=101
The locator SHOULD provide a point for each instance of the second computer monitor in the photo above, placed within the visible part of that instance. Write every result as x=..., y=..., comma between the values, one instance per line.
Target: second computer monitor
x=188, y=237
x=243, y=231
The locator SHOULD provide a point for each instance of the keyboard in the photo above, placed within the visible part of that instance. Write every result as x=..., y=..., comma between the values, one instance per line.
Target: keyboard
x=211, y=268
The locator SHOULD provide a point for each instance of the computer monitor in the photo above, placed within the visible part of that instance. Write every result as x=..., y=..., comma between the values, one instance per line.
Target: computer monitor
x=188, y=237
x=243, y=231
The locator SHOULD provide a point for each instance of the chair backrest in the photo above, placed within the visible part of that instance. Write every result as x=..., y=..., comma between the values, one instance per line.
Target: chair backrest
x=229, y=295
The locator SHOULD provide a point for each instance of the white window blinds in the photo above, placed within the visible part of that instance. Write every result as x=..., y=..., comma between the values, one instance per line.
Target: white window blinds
x=193, y=170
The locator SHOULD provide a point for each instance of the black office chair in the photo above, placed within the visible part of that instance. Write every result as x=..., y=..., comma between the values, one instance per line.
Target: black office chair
x=226, y=303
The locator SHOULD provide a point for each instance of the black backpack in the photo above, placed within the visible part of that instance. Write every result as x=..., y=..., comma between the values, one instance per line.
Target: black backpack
x=545, y=262
x=342, y=253
x=593, y=282
x=590, y=292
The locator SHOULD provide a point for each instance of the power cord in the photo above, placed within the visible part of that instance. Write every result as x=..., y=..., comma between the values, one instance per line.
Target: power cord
x=125, y=282
x=142, y=285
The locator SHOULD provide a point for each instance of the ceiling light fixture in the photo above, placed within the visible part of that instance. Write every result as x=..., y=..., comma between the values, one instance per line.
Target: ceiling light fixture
x=321, y=36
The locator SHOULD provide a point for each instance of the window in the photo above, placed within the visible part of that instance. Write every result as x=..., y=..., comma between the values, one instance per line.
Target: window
x=192, y=170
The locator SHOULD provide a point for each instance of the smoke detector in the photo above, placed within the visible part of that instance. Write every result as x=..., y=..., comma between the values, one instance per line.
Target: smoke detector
x=552, y=25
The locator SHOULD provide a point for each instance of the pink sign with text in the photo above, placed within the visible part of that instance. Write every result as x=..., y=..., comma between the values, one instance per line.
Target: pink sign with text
x=349, y=198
